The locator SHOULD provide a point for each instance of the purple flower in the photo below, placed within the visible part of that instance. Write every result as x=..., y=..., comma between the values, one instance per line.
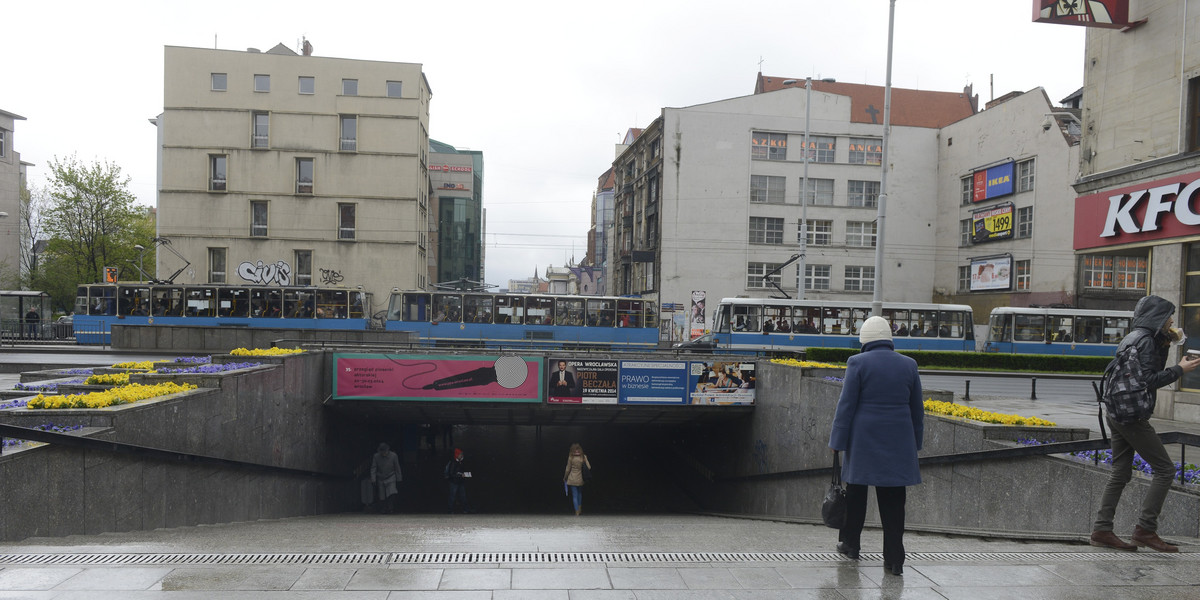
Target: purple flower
x=194, y=360
x=87, y=371
x=43, y=427
x=209, y=369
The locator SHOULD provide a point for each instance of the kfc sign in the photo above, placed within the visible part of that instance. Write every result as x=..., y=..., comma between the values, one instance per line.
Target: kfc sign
x=1112, y=14
x=1158, y=210
x=450, y=169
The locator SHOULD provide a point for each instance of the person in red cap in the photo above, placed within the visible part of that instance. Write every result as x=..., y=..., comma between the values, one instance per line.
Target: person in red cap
x=457, y=474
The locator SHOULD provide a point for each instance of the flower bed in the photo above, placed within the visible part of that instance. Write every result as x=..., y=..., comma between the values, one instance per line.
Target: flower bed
x=807, y=364
x=1189, y=472
x=265, y=351
x=10, y=442
x=108, y=379
x=46, y=386
x=144, y=365
x=208, y=369
x=125, y=394
x=193, y=360
x=966, y=412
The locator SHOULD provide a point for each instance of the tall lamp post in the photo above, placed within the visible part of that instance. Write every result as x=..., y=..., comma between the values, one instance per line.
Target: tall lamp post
x=881, y=210
x=141, y=252
x=804, y=191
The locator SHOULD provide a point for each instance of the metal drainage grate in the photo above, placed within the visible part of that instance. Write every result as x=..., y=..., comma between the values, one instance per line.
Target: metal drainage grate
x=467, y=558
x=195, y=559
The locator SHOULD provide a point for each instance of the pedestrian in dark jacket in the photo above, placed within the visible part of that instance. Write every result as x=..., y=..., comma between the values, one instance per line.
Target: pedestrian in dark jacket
x=457, y=474
x=1153, y=316
x=880, y=425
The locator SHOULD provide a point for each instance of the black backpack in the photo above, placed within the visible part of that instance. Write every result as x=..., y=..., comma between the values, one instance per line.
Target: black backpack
x=1123, y=387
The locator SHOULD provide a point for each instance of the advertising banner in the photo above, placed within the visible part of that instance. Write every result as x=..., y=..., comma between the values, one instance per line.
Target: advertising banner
x=431, y=378
x=1110, y=14
x=722, y=383
x=697, y=320
x=572, y=381
x=653, y=382
x=991, y=183
x=992, y=224
x=1139, y=214
x=993, y=273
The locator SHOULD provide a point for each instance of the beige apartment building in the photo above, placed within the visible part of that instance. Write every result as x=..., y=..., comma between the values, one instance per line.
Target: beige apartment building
x=12, y=181
x=277, y=168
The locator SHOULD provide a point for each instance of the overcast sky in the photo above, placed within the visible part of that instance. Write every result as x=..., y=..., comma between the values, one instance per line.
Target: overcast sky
x=544, y=89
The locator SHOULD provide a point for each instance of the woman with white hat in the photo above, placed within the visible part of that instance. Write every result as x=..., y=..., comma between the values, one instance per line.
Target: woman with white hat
x=879, y=424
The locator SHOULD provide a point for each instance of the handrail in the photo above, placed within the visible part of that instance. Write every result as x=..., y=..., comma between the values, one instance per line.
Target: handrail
x=86, y=443
x=1169, y=437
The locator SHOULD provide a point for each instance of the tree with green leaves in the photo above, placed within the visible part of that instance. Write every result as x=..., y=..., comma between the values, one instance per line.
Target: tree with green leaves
x=91, y=221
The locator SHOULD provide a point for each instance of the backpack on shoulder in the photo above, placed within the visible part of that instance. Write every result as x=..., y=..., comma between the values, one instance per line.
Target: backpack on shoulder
x=1123, y=387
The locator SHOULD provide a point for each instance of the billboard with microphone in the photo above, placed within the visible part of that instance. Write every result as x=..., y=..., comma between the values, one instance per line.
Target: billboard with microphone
x=506, y=378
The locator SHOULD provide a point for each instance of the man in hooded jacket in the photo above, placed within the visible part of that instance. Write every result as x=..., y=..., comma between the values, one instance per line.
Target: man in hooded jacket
x=1154, y=315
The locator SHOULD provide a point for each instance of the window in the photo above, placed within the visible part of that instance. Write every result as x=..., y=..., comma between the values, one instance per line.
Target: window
x=216, y=265
x=768, y=146
x=1130, y=273
x=349, y=133
x=816, y=277
x=820, y=232
x=262, y=83
x=866, y=151
x=964, y=232
x=1193, y=114
x=258, y=218
x=345, y=221
x=767, y=188
x=860, y=279
x=308, y=85
x=966, y=190
x=1025, y=222
x=1025, y=172
x=303, y=272
x=820, y=192
x=261, y=130
x=1123, y=273
x=394, y=88
x=755, y=272
x=220, y=82
x=821, y=148
x=860, y=234
x=216, y=172
x=3, y=143
x=304, y=175
x=1023, y=275
x=349, y=87
x=863, y=194
x=964, y=279
x=1097, y=271
x=766, y=230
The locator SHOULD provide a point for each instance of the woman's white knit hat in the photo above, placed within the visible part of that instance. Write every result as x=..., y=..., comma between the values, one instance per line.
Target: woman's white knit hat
x=874, y=329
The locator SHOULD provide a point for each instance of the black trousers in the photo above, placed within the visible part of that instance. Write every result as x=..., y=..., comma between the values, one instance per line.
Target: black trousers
x=891, y=514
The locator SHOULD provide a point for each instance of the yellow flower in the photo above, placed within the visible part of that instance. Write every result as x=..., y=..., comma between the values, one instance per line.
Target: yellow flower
x=109, y=379
x=975, y=414
x=265, y=351
x=810, y=364
x=146, y=364
x=125, y=394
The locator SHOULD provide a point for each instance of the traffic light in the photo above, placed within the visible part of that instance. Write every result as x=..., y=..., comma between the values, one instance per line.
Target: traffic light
x=110, y=274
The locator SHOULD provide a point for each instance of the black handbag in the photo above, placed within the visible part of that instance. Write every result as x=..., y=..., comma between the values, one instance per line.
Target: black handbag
x=833, y=508
x=586, y=471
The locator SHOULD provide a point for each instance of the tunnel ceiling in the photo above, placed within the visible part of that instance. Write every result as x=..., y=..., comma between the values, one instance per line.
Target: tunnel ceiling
x=508, y=413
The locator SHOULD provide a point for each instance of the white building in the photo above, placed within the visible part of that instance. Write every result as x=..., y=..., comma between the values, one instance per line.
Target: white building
x=12, y=181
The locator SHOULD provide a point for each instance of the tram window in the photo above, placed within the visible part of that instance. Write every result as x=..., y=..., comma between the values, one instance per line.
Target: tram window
x=413, y=307
x=806, y=320
x=1029, y=328
x=952, y=324
x=539, y=310
x=1061, y=329
x=477, y=309
x=1000, y=327
x=857, y=317
x=1088, y=329
x=133, y=301
x=298, y=304
x=510, y=309
x=81, y=300
x=775, y=319
x=601, y=313
x=200, y=301
x=569, y=312
x=357, y=305
x=746, y=318
x=261, y=305
x=651, y=314
x=631, y=313
x=722, y=319
x=233, y=302
x=836, y=321
x=1115, y=329
x=331, y=304
x=447, y=308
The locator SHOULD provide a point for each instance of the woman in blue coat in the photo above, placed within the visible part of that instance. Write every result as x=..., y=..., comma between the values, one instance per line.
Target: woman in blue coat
x=880, y=425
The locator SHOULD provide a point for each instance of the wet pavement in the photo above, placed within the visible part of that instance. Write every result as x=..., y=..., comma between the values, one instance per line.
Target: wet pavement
x=599, y=555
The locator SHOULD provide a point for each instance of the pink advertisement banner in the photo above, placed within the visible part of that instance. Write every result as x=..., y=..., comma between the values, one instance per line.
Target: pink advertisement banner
x=431, y=378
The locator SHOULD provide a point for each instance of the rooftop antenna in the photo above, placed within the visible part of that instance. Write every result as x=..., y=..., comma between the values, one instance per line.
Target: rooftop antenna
x=214, y=41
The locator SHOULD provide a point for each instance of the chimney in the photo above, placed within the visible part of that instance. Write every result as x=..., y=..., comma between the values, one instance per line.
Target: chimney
x=306, y=48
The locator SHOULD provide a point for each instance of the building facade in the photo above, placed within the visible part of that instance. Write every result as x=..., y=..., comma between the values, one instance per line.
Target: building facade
x=278, y=168
x=1137, y=218
x=456, y=177
x=12, y=181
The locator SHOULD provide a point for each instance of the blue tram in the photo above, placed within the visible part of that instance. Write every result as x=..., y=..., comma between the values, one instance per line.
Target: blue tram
x=770, y=325
x=1057, y=331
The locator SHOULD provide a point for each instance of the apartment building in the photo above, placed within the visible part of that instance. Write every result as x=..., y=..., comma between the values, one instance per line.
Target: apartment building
x=458, y=216
x=278, y=168
x=12, y=181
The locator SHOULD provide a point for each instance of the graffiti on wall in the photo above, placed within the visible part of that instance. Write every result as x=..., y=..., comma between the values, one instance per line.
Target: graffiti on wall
x=279, y=273
x=331, y=277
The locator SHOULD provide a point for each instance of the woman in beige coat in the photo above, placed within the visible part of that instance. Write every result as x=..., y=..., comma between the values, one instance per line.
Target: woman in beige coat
x=573, y=476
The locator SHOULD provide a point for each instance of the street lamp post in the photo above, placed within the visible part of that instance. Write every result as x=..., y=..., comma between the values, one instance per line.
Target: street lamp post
x=141, y=252
x=804, y=190
x=881, y=209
